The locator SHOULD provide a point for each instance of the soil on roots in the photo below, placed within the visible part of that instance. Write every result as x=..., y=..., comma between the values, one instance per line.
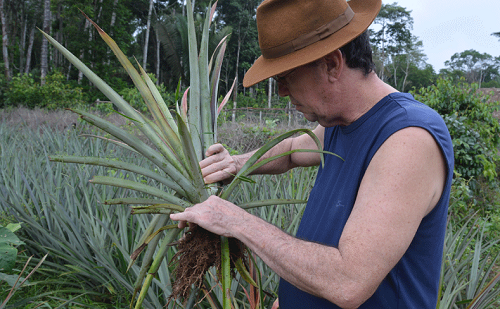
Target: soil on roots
x=199, y=250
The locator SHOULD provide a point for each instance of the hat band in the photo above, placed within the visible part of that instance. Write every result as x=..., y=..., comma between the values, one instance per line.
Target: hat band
x=312, y=37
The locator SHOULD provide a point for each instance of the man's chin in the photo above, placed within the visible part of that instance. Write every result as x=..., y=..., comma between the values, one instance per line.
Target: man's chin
x=310, y=117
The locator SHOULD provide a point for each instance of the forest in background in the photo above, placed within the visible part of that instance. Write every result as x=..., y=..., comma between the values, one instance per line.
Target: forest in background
x=155, y=33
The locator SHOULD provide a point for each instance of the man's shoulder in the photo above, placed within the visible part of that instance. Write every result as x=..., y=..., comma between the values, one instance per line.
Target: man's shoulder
x=412, y=113
x=414, y=110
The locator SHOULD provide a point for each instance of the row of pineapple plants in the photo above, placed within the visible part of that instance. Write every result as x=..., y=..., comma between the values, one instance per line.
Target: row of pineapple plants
x=89, y=243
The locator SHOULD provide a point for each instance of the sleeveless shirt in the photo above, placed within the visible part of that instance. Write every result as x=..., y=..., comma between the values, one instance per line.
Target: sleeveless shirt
x=414, y=281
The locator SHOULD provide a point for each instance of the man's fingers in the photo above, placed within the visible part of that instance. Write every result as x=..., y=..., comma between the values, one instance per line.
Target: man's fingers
x=180, y=216
x=208, y=162
x=217, y=176
x=215, y=148
x=218, y=166
x=218, y=171
x=208, y=168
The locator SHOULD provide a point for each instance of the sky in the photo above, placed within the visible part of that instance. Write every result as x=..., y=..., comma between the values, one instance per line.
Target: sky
x=447, y=27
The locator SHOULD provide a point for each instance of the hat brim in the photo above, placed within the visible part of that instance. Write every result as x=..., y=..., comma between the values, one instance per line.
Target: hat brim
x=365, y=12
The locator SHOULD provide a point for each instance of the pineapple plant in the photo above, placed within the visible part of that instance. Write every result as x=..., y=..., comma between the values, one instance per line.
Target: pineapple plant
x=176, y=143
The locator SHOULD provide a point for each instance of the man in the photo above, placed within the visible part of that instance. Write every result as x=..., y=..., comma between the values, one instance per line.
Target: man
x=373, y=229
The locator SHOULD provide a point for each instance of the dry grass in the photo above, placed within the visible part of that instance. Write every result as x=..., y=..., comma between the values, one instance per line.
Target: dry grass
x=36, y=119
x=247, y=136
x=242, y=136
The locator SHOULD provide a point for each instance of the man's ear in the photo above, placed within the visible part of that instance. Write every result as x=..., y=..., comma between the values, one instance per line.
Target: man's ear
x=334, y=63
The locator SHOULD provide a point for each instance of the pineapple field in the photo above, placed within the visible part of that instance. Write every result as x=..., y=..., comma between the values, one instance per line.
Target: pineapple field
x=85, y=200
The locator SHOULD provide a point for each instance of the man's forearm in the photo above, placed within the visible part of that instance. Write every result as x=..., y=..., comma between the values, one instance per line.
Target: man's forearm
x=219, y=165
x=314, y=268
x=276, y=166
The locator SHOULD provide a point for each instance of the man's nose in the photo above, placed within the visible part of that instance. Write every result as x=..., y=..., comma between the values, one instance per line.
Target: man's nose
x=283, y=90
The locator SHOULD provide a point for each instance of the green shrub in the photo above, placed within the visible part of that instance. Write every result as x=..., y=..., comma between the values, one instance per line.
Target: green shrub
x=474, y=130
x=134, y=98
x=54, y=94
x=22, y=90
x=259, y=99
x=3, y=88
x=470, y=149
x=461, y=197
x=104, y=107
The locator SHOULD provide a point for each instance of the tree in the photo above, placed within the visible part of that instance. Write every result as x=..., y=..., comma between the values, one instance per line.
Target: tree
x=146, y=40
x=420, y=77
x=27, y=52
x=172, y=33
x=396, y=50
x=411, y=56
x=476, y=67
x=5, y=41
x=243, y=46
x=395, y=25
x=74, y=32
x=171, y=30
x=45, y=47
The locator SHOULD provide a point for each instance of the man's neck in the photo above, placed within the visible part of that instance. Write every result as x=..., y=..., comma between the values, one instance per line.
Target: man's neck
x=364, y=91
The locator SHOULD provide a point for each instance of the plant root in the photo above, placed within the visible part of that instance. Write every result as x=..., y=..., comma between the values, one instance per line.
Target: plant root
x=199, y=250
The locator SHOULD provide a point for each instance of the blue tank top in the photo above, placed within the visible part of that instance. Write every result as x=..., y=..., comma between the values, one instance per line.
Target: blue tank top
x=414, y=281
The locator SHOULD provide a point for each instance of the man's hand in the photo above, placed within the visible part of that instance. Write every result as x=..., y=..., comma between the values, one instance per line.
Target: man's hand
x=219, y=165
x=215, y=215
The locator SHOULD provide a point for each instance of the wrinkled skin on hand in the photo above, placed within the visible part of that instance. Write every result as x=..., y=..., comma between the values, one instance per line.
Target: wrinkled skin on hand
x=218, y=166
x=215, y=215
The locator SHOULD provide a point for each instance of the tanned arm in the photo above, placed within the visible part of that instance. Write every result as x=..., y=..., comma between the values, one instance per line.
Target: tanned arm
x=219, y=165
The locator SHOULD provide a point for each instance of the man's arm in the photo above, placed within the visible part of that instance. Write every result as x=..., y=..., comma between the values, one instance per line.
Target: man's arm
x=219, y=165
x=402, y=184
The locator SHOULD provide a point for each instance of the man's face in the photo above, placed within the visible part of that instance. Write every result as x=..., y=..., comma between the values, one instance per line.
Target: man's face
x=309, y=89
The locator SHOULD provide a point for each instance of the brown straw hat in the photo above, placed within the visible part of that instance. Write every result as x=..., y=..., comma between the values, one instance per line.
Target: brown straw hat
x=295, y=32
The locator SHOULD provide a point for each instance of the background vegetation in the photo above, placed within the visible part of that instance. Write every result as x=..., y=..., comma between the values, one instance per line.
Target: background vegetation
x=155, y=32
x=88, y=243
